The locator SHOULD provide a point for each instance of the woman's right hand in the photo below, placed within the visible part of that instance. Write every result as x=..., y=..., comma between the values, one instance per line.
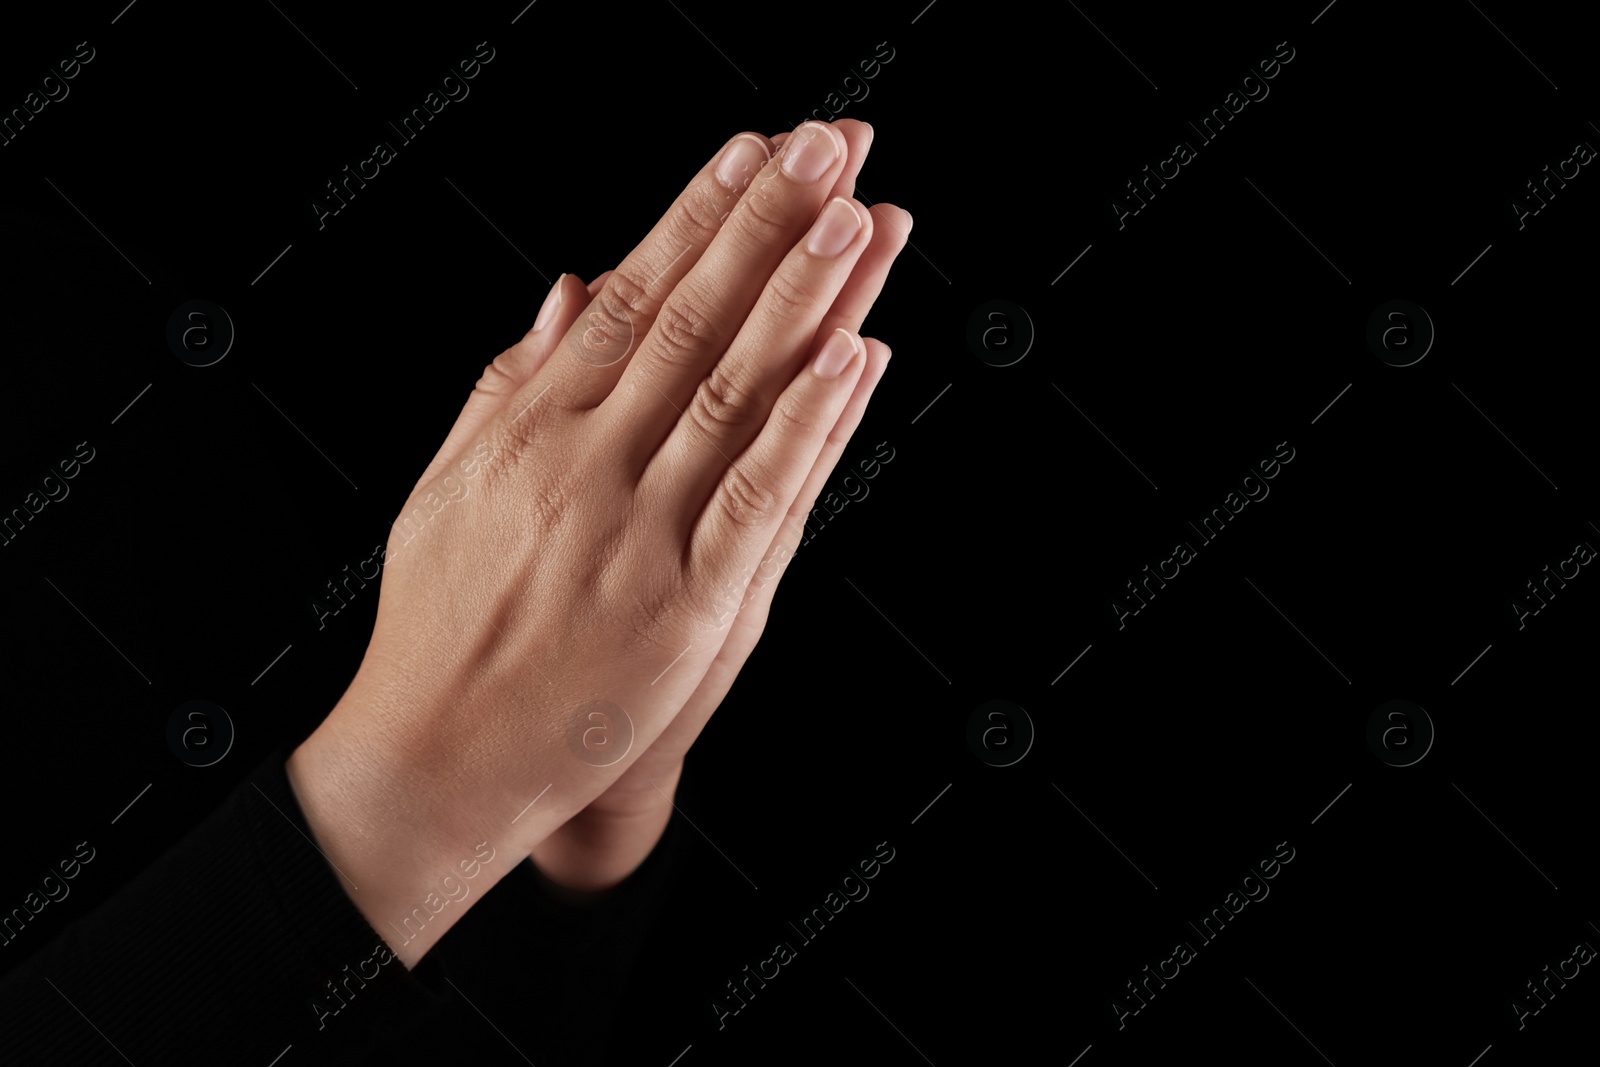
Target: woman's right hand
x=557, y=586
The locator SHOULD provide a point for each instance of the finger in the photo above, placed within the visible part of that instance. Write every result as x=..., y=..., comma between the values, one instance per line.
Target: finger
x=731, y=403
x=757, y=594
x=594, y=286
x=755, y=599
x=594, y=351
x=705, y=311
x=510, y=370
x=850, y=310
x=791, y=535
x=890, y=232
x=858, y=136
x=756, y=491
x=858, y=139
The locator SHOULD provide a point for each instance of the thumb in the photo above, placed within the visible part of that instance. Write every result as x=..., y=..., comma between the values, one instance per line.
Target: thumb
x=511, y=370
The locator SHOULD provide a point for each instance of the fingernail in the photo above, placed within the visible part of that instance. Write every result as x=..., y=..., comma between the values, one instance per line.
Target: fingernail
x=834, y=229
x=547, y=310
x=741, y=160
x=909, y=220
x=837, y=353
x=810, y=152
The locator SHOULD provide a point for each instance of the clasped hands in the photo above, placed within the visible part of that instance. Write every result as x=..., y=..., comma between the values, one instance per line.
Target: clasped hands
x=627, y=483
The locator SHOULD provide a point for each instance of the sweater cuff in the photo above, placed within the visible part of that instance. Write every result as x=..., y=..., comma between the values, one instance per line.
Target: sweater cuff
x=351, y=988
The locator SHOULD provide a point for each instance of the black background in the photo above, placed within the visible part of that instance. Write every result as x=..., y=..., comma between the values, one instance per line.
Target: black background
x=1219, y=722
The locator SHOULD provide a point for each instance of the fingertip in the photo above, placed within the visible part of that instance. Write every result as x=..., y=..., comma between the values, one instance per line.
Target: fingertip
x=551, y=304
x=858, y=133
x=741, y=159
x=838, y=352
x=857, y=137
x=561, y=307
x=898, y=219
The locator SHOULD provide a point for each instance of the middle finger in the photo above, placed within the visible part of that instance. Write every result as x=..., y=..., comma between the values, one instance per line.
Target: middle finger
x=700, y=317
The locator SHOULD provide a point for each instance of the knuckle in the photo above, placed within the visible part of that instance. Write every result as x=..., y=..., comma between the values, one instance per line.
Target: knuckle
x=624, y=295
x=621, y=302
x=719, y=404
x=762, y=215
x=745, y=499
x=683, y=331
x=658, y=620
x=499, y=378
x=789, y=295
x=696, y=218
x=794, y=418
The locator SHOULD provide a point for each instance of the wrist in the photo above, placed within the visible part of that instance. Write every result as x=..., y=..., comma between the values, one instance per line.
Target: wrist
x=389, y=825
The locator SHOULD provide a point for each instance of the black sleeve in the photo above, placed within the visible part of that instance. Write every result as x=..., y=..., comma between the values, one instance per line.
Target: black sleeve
x=231, y=946
x=532, y=976
x=240, y=943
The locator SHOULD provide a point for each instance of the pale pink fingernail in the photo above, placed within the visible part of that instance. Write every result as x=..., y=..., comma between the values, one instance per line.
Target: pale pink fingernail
x=836, y=354
x=834, y=229
x=810, y=151
x=741, y=160
x=547, y=310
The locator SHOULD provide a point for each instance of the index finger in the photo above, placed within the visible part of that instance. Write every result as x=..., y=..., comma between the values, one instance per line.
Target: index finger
x=589, y=359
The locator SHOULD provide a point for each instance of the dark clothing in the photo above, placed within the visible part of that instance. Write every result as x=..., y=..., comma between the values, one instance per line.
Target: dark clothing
x=240, y=942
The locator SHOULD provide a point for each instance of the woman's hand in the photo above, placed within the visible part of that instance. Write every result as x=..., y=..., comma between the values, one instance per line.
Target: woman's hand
x=566, y=574
x=606, y=841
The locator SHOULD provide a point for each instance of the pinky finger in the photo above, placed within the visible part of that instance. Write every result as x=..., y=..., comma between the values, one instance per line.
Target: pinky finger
x=755, y=496
x=792, y=533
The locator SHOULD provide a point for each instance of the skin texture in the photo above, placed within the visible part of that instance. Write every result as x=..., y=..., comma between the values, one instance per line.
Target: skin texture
x=606, y=841
x=583, y=568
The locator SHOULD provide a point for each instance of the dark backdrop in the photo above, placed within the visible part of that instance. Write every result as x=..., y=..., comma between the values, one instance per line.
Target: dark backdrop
x=1164, y=355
